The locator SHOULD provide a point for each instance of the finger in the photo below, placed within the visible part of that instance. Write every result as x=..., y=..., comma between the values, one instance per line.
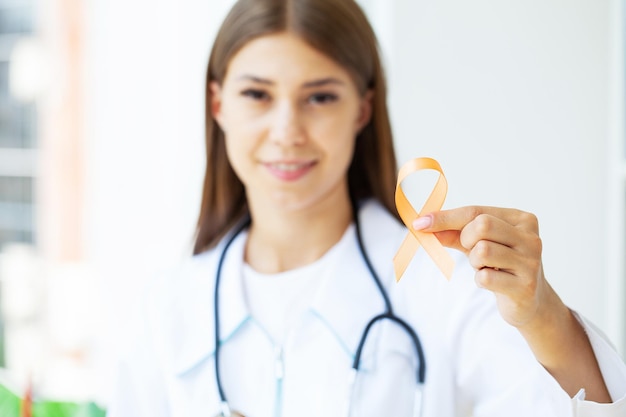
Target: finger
x=495, y=280
x=486, y=254
x=503, y=282
x=451, y=239
x=491, y=228
x=457, y=219
x=487, y=227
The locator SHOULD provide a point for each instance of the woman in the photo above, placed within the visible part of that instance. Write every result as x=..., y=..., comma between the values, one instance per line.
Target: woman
x=298, y=221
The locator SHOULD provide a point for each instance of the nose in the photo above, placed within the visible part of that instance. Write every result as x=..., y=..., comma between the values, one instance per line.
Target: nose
x=286, y=125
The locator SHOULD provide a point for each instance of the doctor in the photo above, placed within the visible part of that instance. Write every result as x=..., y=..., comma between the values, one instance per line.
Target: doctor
x=292, y=260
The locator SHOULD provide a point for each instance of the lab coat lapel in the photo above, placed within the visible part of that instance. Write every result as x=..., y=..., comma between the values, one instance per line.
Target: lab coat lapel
x=233, y=308
x=197, y=341
x=346, y=301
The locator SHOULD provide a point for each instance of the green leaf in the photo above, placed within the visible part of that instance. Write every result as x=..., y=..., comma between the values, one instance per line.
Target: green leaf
x=10, y=405
x=65, y=409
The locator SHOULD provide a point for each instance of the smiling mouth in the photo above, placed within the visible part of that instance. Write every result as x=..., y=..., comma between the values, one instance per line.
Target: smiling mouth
x=289, y=171
x=289, y=167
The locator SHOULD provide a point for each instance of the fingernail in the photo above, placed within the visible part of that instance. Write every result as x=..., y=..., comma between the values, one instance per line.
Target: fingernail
x=422, y=223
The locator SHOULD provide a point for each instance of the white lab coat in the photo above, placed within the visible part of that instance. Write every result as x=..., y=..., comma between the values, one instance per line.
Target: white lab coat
x=476, y=363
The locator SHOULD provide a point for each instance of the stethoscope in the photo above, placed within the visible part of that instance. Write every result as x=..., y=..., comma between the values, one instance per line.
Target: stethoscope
x=387, y=315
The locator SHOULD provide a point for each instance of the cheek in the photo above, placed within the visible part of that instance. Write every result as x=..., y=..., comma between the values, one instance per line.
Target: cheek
x=242, y=132
x=338, y=135
x=242, y=123
x=339, y=150
x=330, y=120
x=345, y=152
x=239, y=148
x=239, y=145
x=239, y=160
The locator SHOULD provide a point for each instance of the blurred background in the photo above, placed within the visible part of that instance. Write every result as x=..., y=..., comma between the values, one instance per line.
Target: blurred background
x=101, y=152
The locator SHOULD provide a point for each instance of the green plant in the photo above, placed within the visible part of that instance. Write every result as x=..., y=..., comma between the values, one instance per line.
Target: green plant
x=10, y=406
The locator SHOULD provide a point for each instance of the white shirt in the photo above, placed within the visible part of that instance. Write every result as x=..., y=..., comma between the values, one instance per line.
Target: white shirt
x=277, y=302
x=477, y=365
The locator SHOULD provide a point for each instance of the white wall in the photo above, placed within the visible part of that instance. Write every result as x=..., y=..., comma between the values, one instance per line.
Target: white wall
x=145, y=76
x=511, y=97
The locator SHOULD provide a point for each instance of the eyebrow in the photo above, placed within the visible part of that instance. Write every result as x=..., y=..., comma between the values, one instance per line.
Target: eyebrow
x=255, y=79
x=315, y=83
x=323, y=81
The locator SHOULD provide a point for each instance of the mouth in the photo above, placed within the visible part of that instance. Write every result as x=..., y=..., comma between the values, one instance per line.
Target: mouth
x=289, y=171
x=289, y=166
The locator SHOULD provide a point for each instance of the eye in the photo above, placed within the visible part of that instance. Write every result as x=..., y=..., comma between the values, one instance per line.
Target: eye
x=254, y=94
x=322, y=98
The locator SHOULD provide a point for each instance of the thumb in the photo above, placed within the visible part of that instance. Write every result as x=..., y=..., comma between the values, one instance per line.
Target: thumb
x=448, y=238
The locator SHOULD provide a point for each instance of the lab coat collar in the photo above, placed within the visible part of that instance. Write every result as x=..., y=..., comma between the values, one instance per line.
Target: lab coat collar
x=347, y=300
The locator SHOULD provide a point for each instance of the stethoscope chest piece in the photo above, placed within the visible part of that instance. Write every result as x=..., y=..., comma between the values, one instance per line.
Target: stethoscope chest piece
x=232, y=414
x=227, y=412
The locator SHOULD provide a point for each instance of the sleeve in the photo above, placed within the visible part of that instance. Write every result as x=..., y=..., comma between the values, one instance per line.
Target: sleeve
x=614, y=372
x=497, y=374
x=139, y=386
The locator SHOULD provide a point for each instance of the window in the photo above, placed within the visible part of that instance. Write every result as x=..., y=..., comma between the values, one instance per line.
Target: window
x=16, y=17
x=18, y=132
x=16, y=209
x=18, y=139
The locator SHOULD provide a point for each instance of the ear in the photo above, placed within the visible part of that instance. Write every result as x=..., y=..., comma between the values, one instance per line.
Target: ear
x=216, y=101
x=365, y=112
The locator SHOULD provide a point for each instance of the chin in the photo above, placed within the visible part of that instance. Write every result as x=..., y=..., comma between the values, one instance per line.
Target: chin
x=288, y=202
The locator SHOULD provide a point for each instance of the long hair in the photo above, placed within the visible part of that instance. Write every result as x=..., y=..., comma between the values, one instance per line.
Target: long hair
x=340, y=30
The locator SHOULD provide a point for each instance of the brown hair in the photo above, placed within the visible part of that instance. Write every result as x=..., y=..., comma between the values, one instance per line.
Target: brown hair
x=338, y=29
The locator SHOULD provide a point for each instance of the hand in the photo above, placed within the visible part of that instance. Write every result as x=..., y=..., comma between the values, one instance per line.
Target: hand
x=504, y=248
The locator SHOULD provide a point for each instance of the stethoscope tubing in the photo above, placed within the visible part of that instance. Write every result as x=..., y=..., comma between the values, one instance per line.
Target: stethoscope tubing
x=216, y=314
x=419, y=351
x=387, y=315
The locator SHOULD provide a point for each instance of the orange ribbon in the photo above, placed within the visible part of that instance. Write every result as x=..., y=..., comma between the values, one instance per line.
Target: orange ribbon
x=415, y=238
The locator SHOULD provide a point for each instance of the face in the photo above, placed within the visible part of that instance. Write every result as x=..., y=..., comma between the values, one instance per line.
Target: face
x=290, y=116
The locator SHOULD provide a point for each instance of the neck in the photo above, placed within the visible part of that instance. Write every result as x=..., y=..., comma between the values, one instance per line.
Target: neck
x=279, y=241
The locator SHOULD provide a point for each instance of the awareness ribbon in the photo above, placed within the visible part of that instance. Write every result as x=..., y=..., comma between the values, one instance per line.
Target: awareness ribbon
x=415, y=238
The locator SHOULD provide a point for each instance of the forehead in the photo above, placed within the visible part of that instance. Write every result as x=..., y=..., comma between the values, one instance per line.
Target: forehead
x=283, y=57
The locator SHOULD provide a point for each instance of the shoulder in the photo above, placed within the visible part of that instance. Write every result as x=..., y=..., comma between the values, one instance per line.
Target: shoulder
x=176, y=299
x=192, y=276
x=378, y=226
